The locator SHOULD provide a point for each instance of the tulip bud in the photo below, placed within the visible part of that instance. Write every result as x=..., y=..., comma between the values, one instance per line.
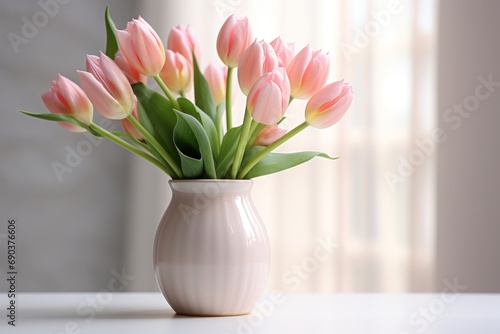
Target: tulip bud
x=131, y=73
x=130, y=129
x=183, y=40
x=66, y=98
x=269, y=134
x=308, y=72
x=107, y=87
x=142, y=47
x=328, y=105
x=284, y=51
x=216, y=77
x=234, y=37
x=258, y=59
x=176, y=73
x=268, y=98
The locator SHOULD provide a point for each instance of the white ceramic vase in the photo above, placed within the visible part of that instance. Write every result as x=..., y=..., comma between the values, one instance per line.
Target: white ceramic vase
x=211, y=251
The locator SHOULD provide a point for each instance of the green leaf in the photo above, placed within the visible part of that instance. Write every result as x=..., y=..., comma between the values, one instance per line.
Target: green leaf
x=198, y=148
x=189, y=151
x=189, y=108
x=192, y=168
x=227, y=151
x=61, y=118
x=111, y=38
x=202, y=94
x=157, y=115
x=277, y=162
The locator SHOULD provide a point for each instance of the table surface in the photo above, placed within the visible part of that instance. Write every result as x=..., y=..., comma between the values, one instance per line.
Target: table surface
x=68, y=313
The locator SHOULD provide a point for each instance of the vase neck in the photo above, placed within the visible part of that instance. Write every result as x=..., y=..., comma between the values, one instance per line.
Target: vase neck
x=211, y=186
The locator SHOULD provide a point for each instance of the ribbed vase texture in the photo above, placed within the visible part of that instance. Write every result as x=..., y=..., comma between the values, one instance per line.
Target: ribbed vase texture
x=211, y=251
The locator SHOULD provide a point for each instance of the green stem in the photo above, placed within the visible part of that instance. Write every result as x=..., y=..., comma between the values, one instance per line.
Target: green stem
x=157, y=146
x=268, y=149
x=218, y=121
x=167, y=92
x=128, y=146
x=255, y=131
x=240, y=150
x=229, y=109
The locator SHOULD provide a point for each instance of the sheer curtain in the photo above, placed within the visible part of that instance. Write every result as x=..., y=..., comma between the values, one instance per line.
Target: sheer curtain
x=366, y=221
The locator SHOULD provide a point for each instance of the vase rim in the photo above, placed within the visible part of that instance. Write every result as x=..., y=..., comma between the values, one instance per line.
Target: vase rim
x=210, y=181
x=220, y=186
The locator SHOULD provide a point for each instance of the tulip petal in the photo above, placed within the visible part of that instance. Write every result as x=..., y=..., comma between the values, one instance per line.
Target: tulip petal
x=297, y=67
x=53, y=103
x=328, y=118
x=268, y=109
x=269, y=134
x=233, y=39
x=125, y=41
x=116, y=83
x=99, y=96
x=149, y=51
x=314, y=77
x=78, y=104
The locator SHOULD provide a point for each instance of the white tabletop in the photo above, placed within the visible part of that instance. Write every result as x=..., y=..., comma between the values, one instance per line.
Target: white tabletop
x=313, y=314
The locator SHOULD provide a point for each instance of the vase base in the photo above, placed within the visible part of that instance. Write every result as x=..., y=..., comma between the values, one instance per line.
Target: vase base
x=212, y=315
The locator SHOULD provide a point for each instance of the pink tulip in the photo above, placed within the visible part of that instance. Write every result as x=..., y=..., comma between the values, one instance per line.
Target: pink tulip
x=268, y=99
x=142, y=47
x=107, y=87
x=258, y=59
x=328, y=105
x=217, y=77
x=183, y=40
x=65, y=97
x=130, y=129
x=269, y=134
x=131, y=73
x=284, y=51
x=308, y=72
x=234, y=37
x=177, y=73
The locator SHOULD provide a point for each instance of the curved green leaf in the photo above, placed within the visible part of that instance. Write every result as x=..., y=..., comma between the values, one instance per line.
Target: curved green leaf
x=189, y=150
x=276, y=162
x=202, y=94
x=189, y=108
x=192, y=168
x=157, y=116
x=111, y=38
x=183, y=138
x=61, y=118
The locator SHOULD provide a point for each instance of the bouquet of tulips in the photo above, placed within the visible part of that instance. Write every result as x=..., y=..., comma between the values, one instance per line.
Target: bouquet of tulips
x=197, y=139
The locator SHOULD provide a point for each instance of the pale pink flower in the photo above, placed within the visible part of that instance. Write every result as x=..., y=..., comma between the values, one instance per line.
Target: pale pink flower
x=130, y=128
x=329, y=105
x=285, y=52
x=268, y=99
x=66, y=98
x=234, y=37
x=107, y=87
x=182, y=39
x=177, y=73
x=142, y=47
x=269, y=134
x=258, y=59
x=308, y=72
x=217, y=77
x=130, y=72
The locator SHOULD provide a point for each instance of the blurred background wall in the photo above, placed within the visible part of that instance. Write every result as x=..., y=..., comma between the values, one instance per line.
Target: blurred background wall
x=71, y=228
x=76, y=230
x=468, y=207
